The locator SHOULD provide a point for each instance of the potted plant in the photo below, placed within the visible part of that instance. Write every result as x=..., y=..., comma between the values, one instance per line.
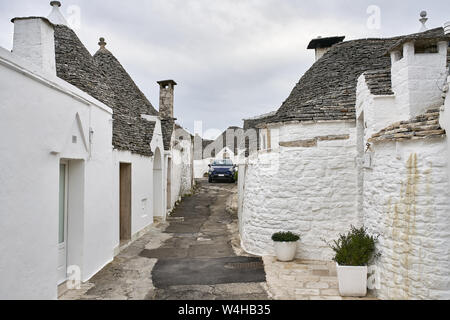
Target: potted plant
x=285, y=244
x=353, y=252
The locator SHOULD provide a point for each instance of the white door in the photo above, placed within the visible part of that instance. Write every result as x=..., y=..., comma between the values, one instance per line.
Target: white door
x=62, y=232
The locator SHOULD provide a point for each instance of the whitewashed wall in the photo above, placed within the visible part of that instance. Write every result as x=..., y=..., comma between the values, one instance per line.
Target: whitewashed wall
x=201, y=167
x=416, y=78
x=407, y=202
x=143, y=196
x=142, y=191
x=36, y=127
x=311, y=191
x=405, y=190
x=182, y=171
x=444, y=119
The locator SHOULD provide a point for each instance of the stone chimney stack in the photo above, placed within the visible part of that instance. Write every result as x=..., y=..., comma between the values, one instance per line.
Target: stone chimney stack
x=166, y=98
x=34, y=41
x=323, y=45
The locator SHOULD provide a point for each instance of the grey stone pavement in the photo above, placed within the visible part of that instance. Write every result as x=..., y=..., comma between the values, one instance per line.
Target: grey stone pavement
x=195, y=255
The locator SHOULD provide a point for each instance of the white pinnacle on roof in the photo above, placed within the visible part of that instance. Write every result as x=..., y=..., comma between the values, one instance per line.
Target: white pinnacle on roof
x=423, y=20
x=56, y=16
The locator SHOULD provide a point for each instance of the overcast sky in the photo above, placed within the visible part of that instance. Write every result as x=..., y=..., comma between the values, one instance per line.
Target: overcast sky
x=232, y=59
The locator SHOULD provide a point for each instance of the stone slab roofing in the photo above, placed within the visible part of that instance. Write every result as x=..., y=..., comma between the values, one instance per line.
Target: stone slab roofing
x=379, y=82
x=327, y=91
x=104, y=78
x=130, y=131
x=436, y=34
x=167, y=127
x=75, y=65
x=126, y=90
x=421, y=127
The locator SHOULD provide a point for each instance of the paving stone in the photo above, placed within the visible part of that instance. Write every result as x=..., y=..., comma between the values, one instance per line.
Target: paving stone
x=322, y=273
x=310, y=292
x=317, y=285
x=329, y=292
x=176, y=250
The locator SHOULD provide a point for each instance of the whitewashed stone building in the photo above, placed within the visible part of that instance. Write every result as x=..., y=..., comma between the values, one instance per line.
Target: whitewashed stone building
x=361, y=140
x=87, y=163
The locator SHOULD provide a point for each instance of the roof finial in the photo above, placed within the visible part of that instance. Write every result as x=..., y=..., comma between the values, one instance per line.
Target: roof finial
x=56, y=16
x=102, y=43
x=423, y=20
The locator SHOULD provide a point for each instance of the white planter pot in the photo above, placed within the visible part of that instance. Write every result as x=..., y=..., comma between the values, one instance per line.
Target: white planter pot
x=352, y=281
x=447, y=27
x=285, y=251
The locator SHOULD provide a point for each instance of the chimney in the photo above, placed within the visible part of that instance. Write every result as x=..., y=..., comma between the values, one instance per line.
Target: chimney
x=56, y=16
x=34, y=41
x=323, y=45
x=166, y=98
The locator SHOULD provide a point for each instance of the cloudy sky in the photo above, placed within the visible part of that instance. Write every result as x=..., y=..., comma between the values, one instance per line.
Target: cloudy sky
x=232, y=59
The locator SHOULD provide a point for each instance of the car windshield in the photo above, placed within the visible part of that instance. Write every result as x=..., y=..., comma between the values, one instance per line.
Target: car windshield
x=226, y=162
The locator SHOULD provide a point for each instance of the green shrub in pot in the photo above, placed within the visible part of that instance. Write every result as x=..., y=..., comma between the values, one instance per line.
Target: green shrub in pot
x=356, y=248
x=353, y=253
x=285, y=237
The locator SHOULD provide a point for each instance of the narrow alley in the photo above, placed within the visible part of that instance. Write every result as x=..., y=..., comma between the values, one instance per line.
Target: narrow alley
x=195, y=255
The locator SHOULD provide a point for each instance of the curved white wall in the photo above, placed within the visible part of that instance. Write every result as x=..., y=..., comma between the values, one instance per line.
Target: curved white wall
x=310, y=190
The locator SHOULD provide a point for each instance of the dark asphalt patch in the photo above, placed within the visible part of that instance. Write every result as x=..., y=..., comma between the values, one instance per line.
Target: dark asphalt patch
x=178, y=272
x=164, y=253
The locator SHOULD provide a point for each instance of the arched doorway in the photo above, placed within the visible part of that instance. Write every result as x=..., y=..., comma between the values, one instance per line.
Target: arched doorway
x=157, y=184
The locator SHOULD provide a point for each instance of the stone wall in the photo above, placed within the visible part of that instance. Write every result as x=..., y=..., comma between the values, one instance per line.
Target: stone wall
x=308, y=188
x=406, y=202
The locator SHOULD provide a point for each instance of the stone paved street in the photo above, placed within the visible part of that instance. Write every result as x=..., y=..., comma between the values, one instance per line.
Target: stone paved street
x=194, y=255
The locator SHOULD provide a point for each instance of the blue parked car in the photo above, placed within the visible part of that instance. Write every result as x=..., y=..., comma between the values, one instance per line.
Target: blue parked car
x=222, y=170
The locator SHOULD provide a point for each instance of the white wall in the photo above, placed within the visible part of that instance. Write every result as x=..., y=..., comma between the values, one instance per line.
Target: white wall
x=311, y=191
x=181, y=179
x=36, y=127
x=407, y=202
x=201, y=167
x=444, y=119
x=142, y=185
x=416, y=79
x=142, y=190
x=405, y=191
x=379, y=111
